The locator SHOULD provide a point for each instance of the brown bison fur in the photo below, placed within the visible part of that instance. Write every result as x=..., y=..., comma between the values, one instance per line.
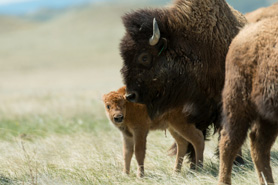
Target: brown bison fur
x=250, y=98
x=186, y=67
x=262, y=13
x=133, y=121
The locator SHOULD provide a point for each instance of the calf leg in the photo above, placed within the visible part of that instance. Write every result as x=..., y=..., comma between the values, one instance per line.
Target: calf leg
x=262, y=137
x=233, y=135
x=182, y=145
x=128, y=148
x=193, y=135
x=140, y=140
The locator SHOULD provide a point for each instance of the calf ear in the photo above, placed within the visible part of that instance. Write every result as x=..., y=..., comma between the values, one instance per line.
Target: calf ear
x=104, y=97
x=122, y=90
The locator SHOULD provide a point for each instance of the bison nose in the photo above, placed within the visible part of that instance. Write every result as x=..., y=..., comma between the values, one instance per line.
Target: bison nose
x=119, y=118
x=132, y=97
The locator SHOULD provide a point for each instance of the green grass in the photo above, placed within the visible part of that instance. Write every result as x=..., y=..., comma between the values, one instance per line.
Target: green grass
x=45, y=126
x=31, y=120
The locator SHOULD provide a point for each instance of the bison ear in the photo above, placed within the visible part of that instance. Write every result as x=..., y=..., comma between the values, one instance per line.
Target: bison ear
x=139, y=24
x=131, y=26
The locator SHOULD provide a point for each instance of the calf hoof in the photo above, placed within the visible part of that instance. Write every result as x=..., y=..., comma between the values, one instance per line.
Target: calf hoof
x=193, y=166
x=177, y=170
x=126, y=172
x=140, y=172
x=140, y=175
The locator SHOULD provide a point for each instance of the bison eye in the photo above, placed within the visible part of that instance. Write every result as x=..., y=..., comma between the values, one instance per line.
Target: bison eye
x=145, y=59
x=108, y=107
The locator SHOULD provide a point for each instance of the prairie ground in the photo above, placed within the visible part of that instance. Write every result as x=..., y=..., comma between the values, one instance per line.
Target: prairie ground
x=53, y=128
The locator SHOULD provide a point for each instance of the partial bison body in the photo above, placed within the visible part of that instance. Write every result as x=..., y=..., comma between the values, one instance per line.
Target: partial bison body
x=175, y=56
x=133, y=121
x=262, y=13
x=250, y=98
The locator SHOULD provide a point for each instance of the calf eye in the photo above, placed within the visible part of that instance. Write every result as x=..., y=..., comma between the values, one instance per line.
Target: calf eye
x=145, y=59
x=108, y=107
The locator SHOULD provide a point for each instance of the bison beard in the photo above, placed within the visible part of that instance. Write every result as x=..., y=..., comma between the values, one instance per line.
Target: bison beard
x=186, y=67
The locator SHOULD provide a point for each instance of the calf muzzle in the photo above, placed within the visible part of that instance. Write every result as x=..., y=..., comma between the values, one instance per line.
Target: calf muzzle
x=118, y=118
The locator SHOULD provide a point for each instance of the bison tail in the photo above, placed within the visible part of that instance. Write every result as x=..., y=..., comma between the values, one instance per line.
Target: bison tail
x=173, y=150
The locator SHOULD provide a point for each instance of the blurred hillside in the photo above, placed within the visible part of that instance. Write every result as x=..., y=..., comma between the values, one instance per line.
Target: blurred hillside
x=70, y=48
x=75, y=50
x=86, y=35
x=76, y=38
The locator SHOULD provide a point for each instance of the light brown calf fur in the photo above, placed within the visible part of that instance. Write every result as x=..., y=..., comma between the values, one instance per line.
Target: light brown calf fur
x=250, y=98
x=133, y=121
x=262, y=13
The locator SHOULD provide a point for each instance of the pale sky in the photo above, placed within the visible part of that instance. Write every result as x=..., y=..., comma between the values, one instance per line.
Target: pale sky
x=25, y=6
x=5, y=2
x=19, y=7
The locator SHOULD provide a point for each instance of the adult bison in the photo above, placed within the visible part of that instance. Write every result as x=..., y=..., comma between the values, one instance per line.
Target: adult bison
x=175, y=56
x=262, y=13
x=250, y=98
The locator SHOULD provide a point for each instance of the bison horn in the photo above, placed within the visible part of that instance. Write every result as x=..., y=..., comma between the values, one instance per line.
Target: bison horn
x=156, y=34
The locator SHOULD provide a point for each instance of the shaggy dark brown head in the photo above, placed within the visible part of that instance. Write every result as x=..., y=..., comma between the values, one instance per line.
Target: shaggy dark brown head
x=175, y=56
x=148, y=71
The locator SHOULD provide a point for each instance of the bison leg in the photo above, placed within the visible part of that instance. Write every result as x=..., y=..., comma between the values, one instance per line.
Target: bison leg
x=233, y=135
x=128, y=149
x=182, y=145
x=193, y=135
x=238, y=161
x=140, y=140
x=262, y=137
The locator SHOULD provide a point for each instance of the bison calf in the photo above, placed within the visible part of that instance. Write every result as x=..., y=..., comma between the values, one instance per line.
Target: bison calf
x=133, y=121
x=250, y=98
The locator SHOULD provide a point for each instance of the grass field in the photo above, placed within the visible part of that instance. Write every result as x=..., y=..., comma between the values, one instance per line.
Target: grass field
x=53, y=128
